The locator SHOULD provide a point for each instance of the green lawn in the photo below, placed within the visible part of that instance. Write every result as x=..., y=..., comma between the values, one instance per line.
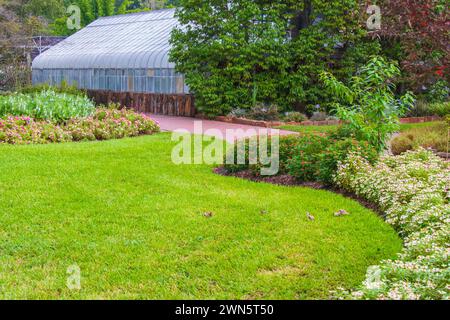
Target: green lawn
x=133, y=222
x=308, y=129
x=407, y=126
x=325, y=129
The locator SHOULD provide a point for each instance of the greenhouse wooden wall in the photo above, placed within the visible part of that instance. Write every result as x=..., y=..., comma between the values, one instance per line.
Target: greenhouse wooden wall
x=156, y=103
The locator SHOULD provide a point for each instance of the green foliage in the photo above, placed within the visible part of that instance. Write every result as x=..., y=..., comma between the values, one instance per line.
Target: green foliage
x=422, y=109
x=264, y=112
x=239, y=54
x=316, y=158
x=64, y=87
x=93, y=9
x=368, y=104
x=46, y=105
x=438, y=92
x=50, y=9
x=238, y=113
x=308, y=158
x=294, y=117
x=337, y=152
x=319, y=116
x=304, y=165
x=440, y=109
x=287, y=147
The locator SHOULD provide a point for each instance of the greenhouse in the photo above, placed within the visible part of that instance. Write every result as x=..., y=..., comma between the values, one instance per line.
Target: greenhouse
x=125, y=53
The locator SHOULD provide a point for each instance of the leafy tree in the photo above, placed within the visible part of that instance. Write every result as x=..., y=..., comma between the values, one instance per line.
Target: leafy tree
x=418, y=29
x=238, y=54
x=92, y=10
x=49, y=9
x=368, y=104
x=16, y=30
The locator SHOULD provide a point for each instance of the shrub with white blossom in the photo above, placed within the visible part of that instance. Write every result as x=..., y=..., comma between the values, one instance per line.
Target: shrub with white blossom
x=413, y=191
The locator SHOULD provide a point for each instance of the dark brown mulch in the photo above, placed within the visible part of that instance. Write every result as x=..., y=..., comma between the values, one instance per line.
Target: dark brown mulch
x=282, y=180
x=288, y=180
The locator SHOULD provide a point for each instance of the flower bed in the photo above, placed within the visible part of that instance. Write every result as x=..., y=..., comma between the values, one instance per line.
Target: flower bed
x=413, y=190
x=103, y=125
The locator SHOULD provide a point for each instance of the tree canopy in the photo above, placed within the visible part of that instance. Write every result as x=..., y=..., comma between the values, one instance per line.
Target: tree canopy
x=418, y=29
x=248, y=52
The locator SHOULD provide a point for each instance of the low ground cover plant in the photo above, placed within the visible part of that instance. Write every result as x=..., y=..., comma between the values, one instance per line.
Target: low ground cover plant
x=435, y=137
x=105, y=124
x=413, y=192
x=46, y=105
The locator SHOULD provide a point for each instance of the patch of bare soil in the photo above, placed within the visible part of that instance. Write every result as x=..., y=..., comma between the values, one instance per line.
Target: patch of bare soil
x=288, y=180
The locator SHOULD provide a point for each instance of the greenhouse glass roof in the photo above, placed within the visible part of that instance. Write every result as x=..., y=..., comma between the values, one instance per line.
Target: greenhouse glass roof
x=130, y=41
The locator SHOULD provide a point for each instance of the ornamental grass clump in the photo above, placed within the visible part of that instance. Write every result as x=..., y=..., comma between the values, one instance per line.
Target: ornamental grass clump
x=413, y=191
x=47, y=105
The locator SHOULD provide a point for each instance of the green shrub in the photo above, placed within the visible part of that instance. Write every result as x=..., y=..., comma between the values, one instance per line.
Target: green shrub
x=440, y=109
x=264, y=112
x=238, y=113
x=240, y=55
x=401, y=144
x=420, y=109
x=294, y=117
x=423, y=108
x=438, y=92
x=288, y=145
x=304, y=165
x=317, y=158
x=319, y=116
x=308, y=158
x=337, y=152
x=46, y=105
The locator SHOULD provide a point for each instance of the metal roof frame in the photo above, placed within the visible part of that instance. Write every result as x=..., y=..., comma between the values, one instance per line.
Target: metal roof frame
x=131, y=41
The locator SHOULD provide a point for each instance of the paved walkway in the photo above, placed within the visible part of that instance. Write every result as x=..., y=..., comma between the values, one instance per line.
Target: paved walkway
x=213, y=128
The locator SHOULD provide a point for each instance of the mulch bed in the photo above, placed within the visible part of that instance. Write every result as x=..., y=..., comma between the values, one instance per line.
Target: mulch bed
x=289, y=181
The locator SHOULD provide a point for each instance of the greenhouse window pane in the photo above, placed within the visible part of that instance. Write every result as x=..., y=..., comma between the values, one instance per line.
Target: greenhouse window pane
x=157, y=85
x=150, y=84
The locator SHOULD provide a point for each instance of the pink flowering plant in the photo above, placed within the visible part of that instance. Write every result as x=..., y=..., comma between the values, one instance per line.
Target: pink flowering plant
x=413, y=191
x=104, y=124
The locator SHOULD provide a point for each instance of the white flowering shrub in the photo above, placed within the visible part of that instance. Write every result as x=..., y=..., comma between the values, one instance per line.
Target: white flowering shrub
x=413, y=191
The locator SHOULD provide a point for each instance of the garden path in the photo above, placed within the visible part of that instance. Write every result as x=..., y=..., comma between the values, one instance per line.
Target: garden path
x=179, y=124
